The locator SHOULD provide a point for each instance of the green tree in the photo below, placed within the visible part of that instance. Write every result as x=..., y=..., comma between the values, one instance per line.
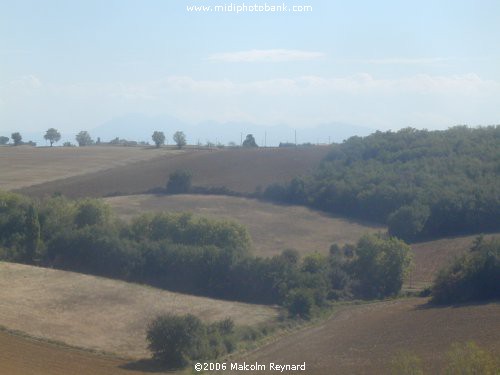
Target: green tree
x=179, y=139
x=179, y=182
x=175, y=340
x=249, y=141
x=380, y=265
x=4, y=140
x=17, y=138
x=158, y=138
x=83, y=138
x=52, y=135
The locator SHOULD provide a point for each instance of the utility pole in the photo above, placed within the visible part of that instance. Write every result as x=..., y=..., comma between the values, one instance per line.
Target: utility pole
x=241, y=139
x=295, y=137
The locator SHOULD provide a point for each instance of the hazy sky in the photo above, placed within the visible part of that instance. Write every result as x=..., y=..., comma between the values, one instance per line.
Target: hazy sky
x=384, y=64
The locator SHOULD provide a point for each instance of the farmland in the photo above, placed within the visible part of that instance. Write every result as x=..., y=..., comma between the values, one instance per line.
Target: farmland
x=101, y=314
x=240, y=170
x=111, y=316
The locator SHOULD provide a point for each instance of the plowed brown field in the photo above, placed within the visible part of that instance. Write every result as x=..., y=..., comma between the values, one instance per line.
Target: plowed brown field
x=363, y=339
x=23, y=356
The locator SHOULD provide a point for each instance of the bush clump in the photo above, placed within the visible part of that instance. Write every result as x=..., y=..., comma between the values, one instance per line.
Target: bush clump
x=177, y=340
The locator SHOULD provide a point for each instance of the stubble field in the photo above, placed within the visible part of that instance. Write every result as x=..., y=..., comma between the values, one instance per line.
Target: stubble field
x=101, y=314
x=24, y=166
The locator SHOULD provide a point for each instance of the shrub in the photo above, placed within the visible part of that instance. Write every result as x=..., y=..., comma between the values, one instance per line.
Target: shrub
x=179, y=182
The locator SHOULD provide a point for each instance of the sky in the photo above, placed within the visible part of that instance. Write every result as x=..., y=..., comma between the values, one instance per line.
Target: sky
x=75, y=65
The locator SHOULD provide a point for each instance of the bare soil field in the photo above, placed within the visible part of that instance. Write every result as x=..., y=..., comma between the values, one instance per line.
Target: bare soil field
x=273, y=228
x=24, y=166
x=101, y=314
x=431, y=256
x=363, y=339
x=241, y=170
x=24, y=356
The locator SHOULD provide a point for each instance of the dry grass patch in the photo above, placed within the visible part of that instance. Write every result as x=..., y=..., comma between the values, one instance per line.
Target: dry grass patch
x=98, y=313
x=273, y=228
x=25, y=166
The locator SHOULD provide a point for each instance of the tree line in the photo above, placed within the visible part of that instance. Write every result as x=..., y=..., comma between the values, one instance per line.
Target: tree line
x=83, y=138
x=422, y=184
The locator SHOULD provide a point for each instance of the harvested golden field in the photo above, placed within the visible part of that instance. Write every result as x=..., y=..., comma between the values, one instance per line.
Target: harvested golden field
x=241, y=170
x=363, y=339
x=431, y=256
x=101, y=314
x=24, y=166
x=273, y=228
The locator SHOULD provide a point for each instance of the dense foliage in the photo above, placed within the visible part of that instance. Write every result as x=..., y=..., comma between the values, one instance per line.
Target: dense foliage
x=421, y=183
x=473, y=277
x=192, y=254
